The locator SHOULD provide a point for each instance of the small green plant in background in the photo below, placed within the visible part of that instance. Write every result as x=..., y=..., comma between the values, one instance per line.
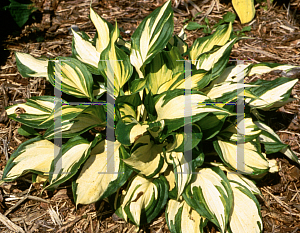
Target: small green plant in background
x=264, y=4
x=195, y=26
x=146, y=78
x=229, y=17
x=20, y=10
x=244, y=29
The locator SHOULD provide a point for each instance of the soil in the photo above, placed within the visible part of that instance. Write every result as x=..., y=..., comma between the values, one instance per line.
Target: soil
x=275, y=38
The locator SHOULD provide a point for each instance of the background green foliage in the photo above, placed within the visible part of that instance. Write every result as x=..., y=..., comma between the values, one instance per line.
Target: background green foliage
x=20, y=10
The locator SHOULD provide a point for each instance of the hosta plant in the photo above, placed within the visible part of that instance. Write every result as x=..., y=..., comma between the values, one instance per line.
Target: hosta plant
x=176, y=142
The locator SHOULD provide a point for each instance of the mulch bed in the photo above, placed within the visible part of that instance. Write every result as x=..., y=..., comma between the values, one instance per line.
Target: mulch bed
x=276, y=38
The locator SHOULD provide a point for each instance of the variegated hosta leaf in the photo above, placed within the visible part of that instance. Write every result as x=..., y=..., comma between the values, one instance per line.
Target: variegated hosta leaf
x=158, y=73
x=73, y=154
x=248, y=161
x=127, y=108
x=211, y=125
x=95, y=181
x=85, y=52
x=231, y=74
x=181, y=218
x=34, y=112
x=128, y=132
x=277, y=104
x=263, y=68
x=182, y=35
x=273, y=143
x=131, y=99
x=246, y=216
x=137, y=85
x=27, y=131
x=210, y=194
x=170, y=83
x=248, y=132
x=170, y=177
x=238, y=72
x=161, y=69
x=125, y=44
x=179, y=43
x=29, y=66
x=178, y=141
x=103, y=31
x=229, y=83
x=99, y=89
x=170, y=106
x=217, y=59
x=147, y=157
x=127, y=112
x=76, y=80
x=77, y=120
x=237, y=177
x=156, y=128
x=34, y=155
x=197, y=80
x=143, y=199
x=270, y=139
x=235, y=73
x=114, y=64
x=68, y=112
x=183, y=171
x=206, y=44
x=151, y=36
x=249, y=184
x=228, y=91
x=271, y=94
x=181, y=138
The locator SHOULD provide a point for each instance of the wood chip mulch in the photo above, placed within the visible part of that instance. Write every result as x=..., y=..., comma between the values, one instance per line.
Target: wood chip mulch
x=276, y=38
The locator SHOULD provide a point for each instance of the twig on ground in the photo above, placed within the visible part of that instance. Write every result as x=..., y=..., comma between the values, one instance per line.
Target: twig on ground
x=285, y=131
x=283, y=204
x=10, y=225
x=37, y=198
x=69, y=224
x=15, y=206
